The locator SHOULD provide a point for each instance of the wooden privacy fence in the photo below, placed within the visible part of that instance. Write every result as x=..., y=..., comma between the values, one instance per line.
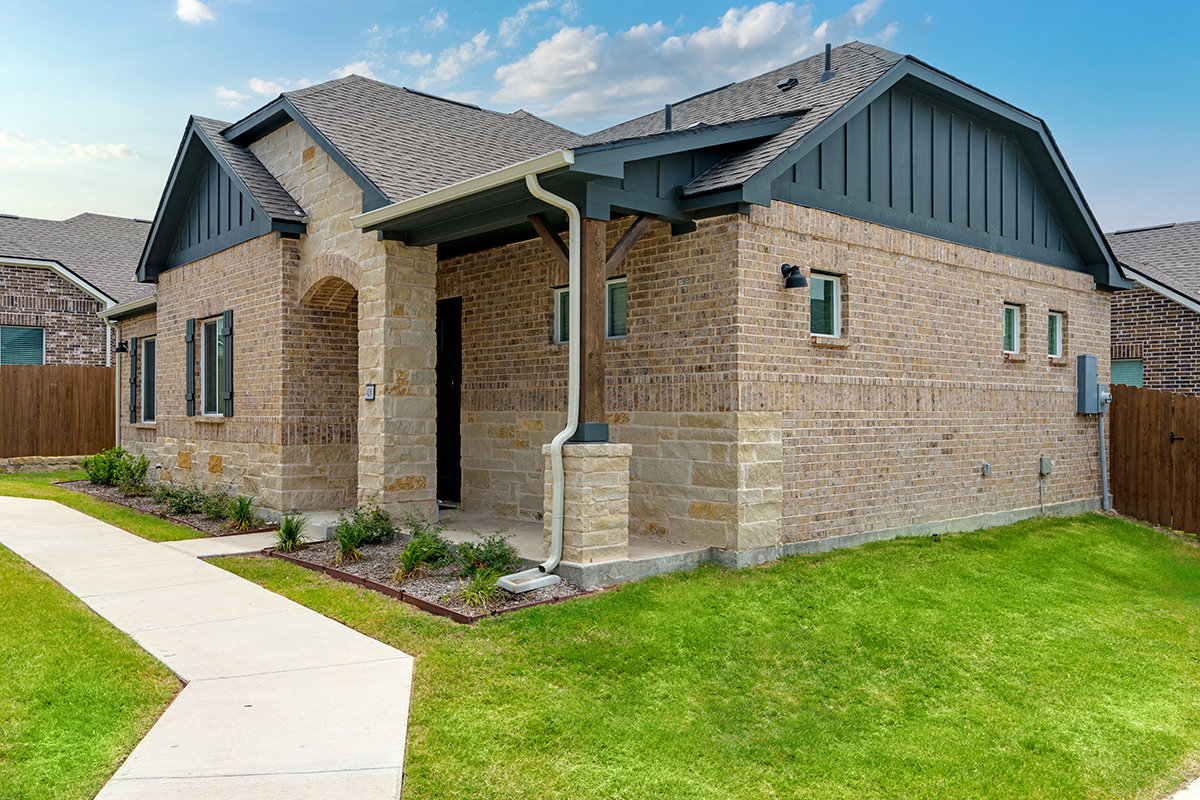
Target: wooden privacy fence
x=1155, y=457
x=56, y=410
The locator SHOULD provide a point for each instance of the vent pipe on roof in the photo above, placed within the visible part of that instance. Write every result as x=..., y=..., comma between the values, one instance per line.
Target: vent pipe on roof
x=667, y=116
x=828, y=73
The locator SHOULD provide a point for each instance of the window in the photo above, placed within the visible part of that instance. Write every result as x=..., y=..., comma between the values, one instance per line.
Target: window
x=149, y=353
x=22, y=345
x=825, y=305
x=1127, y=371
x=1012, y=328
x=1054, y=334
x=212, y=356
x=614, y=308
x=615, y=326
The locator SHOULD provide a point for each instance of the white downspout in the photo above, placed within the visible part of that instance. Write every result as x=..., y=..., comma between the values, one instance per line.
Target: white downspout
x=540, y=576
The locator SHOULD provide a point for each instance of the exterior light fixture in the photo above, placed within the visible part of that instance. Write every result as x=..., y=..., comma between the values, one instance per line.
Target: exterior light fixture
x=121, y=347
x=793, y=278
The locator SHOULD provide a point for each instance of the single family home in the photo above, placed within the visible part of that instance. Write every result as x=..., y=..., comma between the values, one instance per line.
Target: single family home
x=1156, y=326
x=55, y=275
x=835, y=302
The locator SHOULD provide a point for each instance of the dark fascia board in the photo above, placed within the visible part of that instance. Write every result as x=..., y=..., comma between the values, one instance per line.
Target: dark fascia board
x=940, y=85
x=280, y=112
x=171, y=207
x=608, y=160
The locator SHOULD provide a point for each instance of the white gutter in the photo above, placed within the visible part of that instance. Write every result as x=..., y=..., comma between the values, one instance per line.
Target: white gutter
x=1164, y=290
x=126, y=308
x=455, y=191
x=540, y=576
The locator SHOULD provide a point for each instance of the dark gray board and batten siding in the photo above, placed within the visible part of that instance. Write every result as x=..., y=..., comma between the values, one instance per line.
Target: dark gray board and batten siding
x=911, y=163
x=219, y=215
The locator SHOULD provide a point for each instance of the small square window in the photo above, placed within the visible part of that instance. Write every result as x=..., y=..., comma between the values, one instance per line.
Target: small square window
x=20, y=345
x=1054, y=334
x=615, y=325
x=825, y=305
x=1012, y=328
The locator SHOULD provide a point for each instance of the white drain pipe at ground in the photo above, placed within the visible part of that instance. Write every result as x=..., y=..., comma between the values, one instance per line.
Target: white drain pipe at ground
x=540, y=576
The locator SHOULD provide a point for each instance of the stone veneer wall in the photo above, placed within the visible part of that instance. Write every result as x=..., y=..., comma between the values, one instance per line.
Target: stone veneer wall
x=39, y=298
x=1161, y=332
x=890, y=426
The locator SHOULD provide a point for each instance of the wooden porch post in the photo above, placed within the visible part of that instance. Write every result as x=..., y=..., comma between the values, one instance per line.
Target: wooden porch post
x=591, y=330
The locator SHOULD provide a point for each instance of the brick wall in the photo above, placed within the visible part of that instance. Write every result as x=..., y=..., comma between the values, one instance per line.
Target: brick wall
x=890, y=426
x=39, y=298
x=139, y=437
x=1163, y=333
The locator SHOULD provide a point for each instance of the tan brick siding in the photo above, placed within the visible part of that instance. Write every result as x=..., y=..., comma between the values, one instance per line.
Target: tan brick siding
x=138, y=438
x=1167, y=335
x=39, y=298
x=892, y=428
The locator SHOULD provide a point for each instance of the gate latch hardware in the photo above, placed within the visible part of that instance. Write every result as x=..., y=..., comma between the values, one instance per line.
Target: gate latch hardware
x=1175, y=438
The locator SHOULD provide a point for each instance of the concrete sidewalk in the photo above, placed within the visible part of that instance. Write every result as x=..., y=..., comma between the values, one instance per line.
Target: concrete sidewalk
x=280, y=701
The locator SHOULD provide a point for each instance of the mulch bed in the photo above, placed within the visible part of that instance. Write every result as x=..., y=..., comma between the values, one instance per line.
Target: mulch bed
x=146, y=505
x=435, y=591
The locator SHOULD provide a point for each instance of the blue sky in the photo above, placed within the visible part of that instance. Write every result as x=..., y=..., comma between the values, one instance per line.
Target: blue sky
x=96, y=95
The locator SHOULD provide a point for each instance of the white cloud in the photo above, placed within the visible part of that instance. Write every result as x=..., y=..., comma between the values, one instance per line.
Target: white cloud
x=512, y=27
x=193, y=11
x=362, y=68
x=230, y=97
x=415, y=59
x=18, y=151
x=266, y=87
x=454, y=60
x=586, y=73
x=435, y=20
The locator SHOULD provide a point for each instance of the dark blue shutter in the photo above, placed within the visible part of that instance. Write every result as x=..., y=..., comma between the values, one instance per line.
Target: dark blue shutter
x=226, y=365
x=133, y=359
x=189, y=340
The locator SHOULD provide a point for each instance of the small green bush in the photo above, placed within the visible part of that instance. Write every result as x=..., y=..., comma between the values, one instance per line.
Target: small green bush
x=350, y=538
x=492, y=553
x=242, y=515
x=182, y=500
x=104, y=469
x=217, y=503
x=131, y=475
x=290, y=529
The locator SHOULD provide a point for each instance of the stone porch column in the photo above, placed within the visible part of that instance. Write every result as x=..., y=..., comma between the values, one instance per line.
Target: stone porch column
x=596, y=501
x=397, y=431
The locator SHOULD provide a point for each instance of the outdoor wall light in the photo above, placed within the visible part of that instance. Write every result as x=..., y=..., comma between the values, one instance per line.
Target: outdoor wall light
x=793, y=278
x=121, y=347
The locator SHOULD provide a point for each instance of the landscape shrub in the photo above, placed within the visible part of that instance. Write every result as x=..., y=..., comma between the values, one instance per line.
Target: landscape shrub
x=491, y=553
x=290, y=529
x=481, y=589
x=103, y=469
x=130, y=475
x=242, y=514
x=367, y=524
x=217, y=503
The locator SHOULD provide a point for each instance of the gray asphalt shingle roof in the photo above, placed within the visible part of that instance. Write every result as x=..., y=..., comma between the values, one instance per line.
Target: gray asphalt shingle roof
x=408, y=143
x=102, y=250
x=273, y=198
x=1169, y=254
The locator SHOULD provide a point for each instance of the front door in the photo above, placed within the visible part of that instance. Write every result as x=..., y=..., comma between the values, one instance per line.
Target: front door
x=449, y=394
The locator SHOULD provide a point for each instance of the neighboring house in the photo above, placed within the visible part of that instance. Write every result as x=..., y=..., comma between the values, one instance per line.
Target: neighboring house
x=1156, y=326
x=359, y=299
x=54, y=278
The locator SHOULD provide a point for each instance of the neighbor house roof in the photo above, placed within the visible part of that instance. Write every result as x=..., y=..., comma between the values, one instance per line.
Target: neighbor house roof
x=102, y=251
x=1168, y=255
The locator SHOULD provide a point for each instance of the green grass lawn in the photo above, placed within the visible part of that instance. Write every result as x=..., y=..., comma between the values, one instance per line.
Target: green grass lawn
x=76, y=694
x=40, y=486
x=1053, y=658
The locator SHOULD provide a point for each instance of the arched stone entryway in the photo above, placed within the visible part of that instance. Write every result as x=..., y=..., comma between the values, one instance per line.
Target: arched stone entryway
x=321, y=388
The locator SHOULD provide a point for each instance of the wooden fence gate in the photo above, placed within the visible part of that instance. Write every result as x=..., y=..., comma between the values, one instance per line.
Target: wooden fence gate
x=56, y=410
x=1155, y=457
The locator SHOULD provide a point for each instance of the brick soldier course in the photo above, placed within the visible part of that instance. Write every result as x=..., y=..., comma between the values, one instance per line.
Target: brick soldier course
x=732, y=426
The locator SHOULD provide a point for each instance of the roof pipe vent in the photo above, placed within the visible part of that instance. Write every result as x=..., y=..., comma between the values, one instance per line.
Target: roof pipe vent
x=667, y=115
x=828, y=73
x=786, y=84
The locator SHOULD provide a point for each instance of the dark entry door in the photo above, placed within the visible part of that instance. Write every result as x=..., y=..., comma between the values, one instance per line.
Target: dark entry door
x=449, y=397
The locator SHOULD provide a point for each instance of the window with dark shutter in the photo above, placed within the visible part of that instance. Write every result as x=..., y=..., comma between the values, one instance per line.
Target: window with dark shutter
x=227, y=364
x=190, y=367
x=133, y=364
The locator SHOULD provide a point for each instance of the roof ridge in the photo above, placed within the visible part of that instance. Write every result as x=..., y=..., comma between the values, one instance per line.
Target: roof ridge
x=1147, y=228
